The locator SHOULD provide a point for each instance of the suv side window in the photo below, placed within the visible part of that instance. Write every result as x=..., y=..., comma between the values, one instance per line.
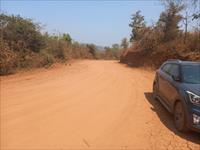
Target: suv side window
x=166, y=68
x=174, y=70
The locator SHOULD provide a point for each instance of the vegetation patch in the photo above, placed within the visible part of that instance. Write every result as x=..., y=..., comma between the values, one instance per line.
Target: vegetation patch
x=152, y=45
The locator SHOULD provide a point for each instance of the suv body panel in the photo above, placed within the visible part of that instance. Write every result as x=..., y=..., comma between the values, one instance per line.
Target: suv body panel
x=170, y=91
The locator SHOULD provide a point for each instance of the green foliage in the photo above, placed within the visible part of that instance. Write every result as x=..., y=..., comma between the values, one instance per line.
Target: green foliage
x=163, y=40
x=24, y=46
x=167, y=34
x=67, y=37
x=21, y=34
x=113, y=52
x=115, y=47
x=137, y=24
x=124, y=43
x=169, y=20
x=196, y=16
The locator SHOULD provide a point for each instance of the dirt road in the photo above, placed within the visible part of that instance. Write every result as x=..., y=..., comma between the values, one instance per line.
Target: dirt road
x=88, y=105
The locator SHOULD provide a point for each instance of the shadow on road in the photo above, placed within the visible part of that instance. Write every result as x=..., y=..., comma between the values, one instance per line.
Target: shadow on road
x=167, y=119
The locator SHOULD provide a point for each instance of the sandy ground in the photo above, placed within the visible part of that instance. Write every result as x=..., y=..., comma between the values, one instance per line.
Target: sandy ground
x=88, y=105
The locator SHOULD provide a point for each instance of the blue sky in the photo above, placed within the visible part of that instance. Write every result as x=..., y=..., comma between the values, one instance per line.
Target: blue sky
x=100, y=22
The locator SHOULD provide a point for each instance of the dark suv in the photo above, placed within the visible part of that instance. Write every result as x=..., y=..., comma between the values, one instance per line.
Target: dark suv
x=177, y=87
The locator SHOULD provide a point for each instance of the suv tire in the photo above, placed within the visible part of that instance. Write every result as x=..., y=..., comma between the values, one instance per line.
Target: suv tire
x=180, y=117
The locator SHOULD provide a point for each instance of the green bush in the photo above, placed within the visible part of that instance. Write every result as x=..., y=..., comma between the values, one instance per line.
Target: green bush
x=21, y=34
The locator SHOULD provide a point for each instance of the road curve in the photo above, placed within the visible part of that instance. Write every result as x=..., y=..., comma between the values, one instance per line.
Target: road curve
x=90, y=104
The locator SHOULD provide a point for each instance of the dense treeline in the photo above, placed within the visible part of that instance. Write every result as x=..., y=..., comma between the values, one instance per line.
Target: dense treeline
x=151, y=45
x=112, y=52
x=23, y=45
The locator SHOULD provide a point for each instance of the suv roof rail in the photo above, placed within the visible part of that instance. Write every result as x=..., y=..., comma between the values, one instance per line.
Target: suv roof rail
x=174, y=60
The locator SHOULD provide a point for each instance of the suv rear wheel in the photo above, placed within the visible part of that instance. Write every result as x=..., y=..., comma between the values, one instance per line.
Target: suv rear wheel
x=180, y=117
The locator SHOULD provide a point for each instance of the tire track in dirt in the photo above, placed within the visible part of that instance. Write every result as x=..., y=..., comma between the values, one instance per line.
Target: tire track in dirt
x=88, y=105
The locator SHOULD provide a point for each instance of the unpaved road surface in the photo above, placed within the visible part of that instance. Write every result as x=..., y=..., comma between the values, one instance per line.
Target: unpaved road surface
x=87, y=105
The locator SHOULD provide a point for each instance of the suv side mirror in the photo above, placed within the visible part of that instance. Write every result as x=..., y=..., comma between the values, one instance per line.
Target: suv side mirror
x=176, y=78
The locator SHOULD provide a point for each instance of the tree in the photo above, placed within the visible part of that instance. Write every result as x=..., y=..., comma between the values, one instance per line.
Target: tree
x=21, y=34
x=92, y=49
x=112, y=52
x=124, y=43
x=108, y=53
x=137, y=24
x=169, y=20
x=196, y=14
x=115, y=47
x=185, y=22
x=67, y=37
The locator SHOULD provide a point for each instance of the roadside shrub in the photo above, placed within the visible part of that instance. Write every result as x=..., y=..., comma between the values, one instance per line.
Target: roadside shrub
x=7, y=59
x=193, y=42
x=164, y=40
x=24, y=46
x=47, y=59
x=21, y=34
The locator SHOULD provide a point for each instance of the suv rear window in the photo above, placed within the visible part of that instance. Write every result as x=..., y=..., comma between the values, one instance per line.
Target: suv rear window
x=174, y=70
x=166, y=68
x=171, y=69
